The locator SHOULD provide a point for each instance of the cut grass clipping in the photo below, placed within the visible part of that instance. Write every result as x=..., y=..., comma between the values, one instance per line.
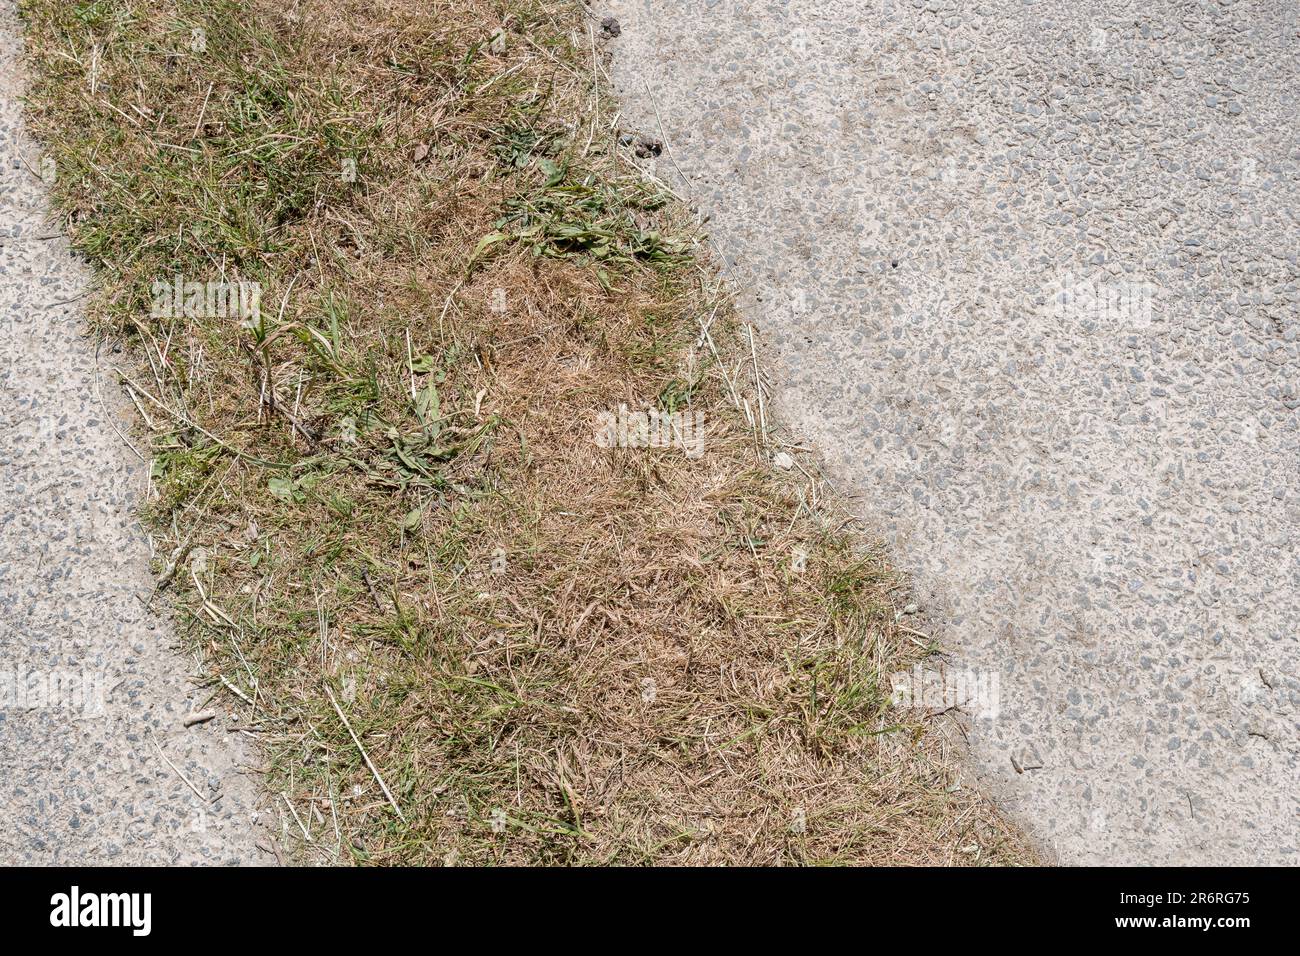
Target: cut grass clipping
x=462, y=628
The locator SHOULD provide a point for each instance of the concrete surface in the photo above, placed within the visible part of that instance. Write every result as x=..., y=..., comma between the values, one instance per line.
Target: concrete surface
x=1028, y=271
x=79, y=782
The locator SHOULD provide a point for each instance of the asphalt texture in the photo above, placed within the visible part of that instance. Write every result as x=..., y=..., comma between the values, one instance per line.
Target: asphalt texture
x=93, y=688
x=1027, y=273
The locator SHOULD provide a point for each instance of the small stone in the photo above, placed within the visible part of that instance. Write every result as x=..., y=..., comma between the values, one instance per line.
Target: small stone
x=783, y=461
x=610, y=27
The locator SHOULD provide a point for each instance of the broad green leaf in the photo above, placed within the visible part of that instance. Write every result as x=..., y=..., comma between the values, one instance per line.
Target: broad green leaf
x=281, y=487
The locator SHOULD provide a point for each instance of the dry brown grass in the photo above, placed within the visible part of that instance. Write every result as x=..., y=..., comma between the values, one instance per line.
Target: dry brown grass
x=553, y=652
